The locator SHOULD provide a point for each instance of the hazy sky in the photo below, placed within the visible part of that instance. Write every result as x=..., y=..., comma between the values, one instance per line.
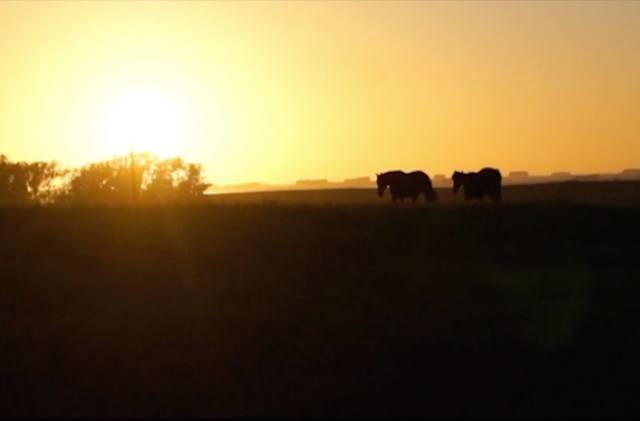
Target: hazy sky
x=279, y=91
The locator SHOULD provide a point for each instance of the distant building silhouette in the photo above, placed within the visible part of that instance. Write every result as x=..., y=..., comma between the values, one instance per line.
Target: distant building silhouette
x=318, y=183
x=586, y=177
x=519, y=174
x=358, y=182
x=630, y=174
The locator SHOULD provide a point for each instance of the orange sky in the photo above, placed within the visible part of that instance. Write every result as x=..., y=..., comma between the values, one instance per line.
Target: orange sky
x=279, y=91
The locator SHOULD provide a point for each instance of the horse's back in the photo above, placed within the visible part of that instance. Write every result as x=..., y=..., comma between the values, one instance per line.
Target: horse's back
x=490, y=175
x=418, y=175
x=393, y=174
x=419, y=179
x=409, y=184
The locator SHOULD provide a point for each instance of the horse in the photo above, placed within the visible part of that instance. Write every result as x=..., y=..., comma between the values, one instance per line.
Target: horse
x=486, y=182
x=403, y=185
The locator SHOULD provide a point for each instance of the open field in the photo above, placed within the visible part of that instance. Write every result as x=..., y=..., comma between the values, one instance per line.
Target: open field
x=617, y=193
x=247, y=309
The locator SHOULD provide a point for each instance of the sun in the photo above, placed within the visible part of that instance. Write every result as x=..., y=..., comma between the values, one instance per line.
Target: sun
x=145, y=121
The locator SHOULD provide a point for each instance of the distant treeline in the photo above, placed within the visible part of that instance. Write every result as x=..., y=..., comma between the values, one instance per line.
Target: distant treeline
x=138, y=177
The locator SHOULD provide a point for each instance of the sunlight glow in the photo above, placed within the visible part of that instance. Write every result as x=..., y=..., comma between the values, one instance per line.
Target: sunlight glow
x=279, y=91
x=145, y=121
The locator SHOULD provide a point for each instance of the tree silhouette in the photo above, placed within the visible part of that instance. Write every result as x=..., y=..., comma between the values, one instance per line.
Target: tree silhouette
x=191, y=183
x=175, y=179
x=42, y=176
x=22, y=182
x=119, y=179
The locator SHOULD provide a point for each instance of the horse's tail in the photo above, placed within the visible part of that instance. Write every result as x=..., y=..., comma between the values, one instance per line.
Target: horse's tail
x=431, y=195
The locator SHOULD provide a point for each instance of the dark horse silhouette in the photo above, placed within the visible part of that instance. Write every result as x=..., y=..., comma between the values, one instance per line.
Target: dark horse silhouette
x=486, y=182
x=403, y=185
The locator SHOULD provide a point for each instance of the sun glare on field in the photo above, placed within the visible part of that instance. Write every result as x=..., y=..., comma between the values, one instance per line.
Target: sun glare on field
x=145, y=120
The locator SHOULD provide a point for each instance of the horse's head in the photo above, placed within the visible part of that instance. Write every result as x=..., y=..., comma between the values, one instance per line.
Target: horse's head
x=382, y=184
x=457, y=178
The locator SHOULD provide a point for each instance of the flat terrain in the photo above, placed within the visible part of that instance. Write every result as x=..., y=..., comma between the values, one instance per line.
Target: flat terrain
x=615, y=193
x=325, y=304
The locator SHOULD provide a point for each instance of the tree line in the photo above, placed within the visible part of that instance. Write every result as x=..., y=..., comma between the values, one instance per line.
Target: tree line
x=140, y=177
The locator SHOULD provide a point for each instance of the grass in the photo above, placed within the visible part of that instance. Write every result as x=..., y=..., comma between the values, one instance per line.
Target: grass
x=609, y=193
x=305, y=308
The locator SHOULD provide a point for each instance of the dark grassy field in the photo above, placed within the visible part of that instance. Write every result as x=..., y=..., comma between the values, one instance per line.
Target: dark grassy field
x=248, y=309
x=614, y=193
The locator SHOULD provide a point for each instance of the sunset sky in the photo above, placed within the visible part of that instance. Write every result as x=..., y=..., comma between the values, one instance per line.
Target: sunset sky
x=280, y=91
